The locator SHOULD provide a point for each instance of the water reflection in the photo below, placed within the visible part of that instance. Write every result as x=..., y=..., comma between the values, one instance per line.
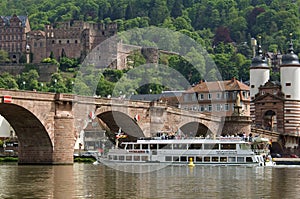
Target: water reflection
x=99, y=181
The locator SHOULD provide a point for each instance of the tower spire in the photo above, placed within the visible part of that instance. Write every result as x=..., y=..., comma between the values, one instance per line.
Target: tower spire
x=291, y=48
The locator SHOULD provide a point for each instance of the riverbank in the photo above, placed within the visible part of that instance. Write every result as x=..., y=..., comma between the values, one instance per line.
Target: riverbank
x=287, y=161
x=77, y=159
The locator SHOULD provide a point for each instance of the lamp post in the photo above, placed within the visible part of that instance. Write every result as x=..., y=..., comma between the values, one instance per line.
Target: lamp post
x=55, y=81
x=24, y=83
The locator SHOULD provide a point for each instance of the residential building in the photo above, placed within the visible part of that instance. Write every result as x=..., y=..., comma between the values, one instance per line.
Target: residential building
x=217, y=97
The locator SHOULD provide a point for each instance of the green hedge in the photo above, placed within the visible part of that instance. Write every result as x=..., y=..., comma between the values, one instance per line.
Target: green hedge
x=9, y=159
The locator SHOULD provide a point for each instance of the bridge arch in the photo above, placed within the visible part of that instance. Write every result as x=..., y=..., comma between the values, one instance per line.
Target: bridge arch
x=195, y=129
x=115, y=120
x=35, y=144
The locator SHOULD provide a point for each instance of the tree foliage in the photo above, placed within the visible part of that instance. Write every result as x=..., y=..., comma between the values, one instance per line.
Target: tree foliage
x=223, y=27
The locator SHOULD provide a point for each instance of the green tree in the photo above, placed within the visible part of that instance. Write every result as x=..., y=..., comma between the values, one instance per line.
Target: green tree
x=7, y=81
x=28, y=80
x=4, y=58
x=158, y=12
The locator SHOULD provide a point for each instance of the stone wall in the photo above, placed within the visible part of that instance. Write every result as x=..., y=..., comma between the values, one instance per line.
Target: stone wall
x=45, y=70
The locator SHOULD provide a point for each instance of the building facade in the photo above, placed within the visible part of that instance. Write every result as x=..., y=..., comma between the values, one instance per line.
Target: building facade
x=218, y=97
x=74, y=39
x=13, y=36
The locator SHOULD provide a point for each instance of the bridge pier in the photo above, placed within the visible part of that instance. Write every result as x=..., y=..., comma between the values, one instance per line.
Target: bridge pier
x=63, y=146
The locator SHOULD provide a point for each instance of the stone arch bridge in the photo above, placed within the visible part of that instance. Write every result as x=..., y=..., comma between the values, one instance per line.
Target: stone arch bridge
x=48, y=124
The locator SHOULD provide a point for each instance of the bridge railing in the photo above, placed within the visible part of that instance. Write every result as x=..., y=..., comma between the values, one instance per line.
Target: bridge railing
x=265, y=132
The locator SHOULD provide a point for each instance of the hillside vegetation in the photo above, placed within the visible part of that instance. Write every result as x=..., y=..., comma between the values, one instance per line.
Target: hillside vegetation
x=223, y=27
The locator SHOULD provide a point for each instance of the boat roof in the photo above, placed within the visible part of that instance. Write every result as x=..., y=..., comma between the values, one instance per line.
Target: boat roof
x=194, y=140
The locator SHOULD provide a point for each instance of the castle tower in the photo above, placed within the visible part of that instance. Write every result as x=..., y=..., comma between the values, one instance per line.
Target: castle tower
x=290, y=75
x=259, y=73
x=290, y=86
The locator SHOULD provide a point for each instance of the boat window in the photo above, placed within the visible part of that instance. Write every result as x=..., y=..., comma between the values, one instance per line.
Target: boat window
x=162, y=146
x=206, y=159
x=228, y=146
x=122, y=145
x=128, y=146
x=198, y=159
x=128, y=158
x=245, y=146
x=175, y=158
x=153, y=146
x=144, y=158
x=110, y=157
x=223, y=159
x=195, y=146
x=137, y=146
x=154, y=152
x=211, y=146
x=240, y=159
x=168, y=158
x=144, y=146
x=231, y=159
x=121, y=157
x=183, y=159
x=137, y=158
x=115, y=157
x=249, y=159
x=215, y=159
x=179, y=146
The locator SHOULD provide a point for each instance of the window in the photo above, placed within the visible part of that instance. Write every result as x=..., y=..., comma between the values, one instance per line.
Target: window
x=195, y=146
x=226, y=107
x=219, y=95
x=198, y=159
x=228, y=146
x=175, y=158
x=223, y=159
x=183, y=159
x=201, y=108
x=201, y=96
x=137, y=158
x=209, y=107
x=194, y=98
x=252, y=86
x=218, y=107
x=288, y=84
x=168, y=158
x=288, y=96
x=206, y=159
x=211, y=146
x=215, y=159
x=209, y=95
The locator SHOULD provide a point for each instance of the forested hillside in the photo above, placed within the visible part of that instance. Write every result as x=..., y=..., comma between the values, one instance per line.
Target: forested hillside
x=224, y=27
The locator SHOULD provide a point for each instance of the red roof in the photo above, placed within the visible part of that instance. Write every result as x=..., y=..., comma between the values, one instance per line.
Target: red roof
x=227, y=85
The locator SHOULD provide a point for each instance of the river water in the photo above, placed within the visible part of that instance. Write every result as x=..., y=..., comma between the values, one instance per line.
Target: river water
x=100, y=181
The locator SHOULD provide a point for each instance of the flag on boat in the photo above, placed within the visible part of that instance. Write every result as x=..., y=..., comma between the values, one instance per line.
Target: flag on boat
x=91, y=115
x=121, y=134
x=137, y=117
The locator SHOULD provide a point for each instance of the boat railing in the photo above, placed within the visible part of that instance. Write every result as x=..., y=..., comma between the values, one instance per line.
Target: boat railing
x=193, y=138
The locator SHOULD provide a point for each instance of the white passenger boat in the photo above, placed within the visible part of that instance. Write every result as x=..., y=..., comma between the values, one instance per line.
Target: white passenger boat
x=191, y=151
